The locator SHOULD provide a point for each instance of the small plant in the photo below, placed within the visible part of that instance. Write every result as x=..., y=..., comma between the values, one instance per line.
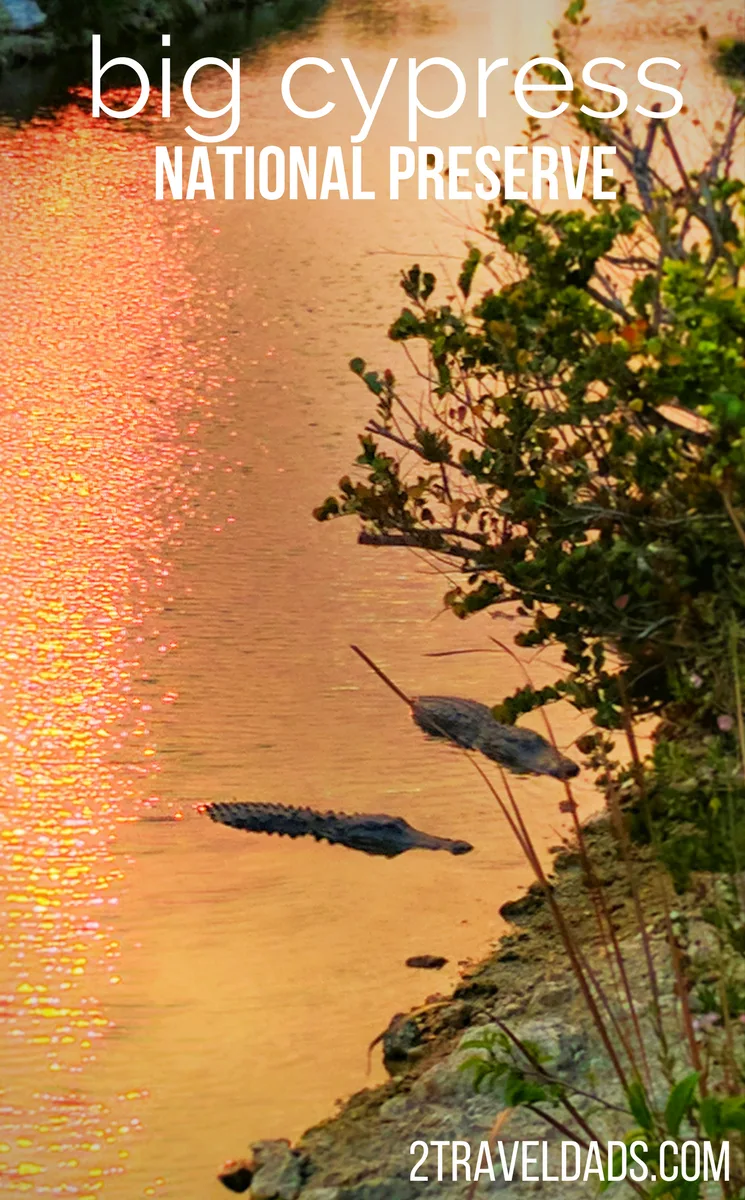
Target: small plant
x=519, y=1075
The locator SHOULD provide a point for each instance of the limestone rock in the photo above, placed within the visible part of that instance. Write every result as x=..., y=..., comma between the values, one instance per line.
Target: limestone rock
x=393, y=1109
x=381, y=1189
x=236, y=1176
x=556, y=994
x=402, y=1036
x=278, y=1171
x=517, y=911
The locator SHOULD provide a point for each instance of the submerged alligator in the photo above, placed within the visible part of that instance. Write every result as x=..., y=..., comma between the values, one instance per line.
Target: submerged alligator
x=473, y=726
x=372, y=833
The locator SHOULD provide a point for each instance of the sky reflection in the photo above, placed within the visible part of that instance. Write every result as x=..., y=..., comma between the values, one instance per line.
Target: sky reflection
x=89, y=378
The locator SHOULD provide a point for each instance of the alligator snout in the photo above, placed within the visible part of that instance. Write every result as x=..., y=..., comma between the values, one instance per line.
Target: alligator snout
x=566, y=770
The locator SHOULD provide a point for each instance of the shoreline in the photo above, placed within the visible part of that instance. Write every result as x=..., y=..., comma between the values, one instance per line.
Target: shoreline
x=363, y=1152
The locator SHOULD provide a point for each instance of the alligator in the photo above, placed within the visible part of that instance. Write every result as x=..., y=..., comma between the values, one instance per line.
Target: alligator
x=372, y=833
x=472, y=726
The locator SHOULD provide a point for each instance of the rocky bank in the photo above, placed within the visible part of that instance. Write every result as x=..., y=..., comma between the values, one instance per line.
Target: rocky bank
x=363, y=1153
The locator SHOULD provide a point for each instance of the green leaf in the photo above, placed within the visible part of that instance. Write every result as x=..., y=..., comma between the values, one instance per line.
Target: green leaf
x=435, y=446
x=733, y=1113
x=522, y=1091
x=405, y=326
x=710, y=1111
x=329, y=508
x=465, y=279
x=638, y=1105
x=679, y=1102
x=614, y=1165
x=373, y=381
x=574, y=11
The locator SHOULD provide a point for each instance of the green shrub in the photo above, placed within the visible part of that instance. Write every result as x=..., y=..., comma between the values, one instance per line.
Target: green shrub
x=580, y=455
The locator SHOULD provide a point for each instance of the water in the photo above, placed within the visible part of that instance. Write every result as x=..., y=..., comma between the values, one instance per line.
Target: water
x=175, y=628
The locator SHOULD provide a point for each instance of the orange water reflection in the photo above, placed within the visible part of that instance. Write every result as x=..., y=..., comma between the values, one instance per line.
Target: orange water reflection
x=123, y=478
x=89, y=480
x=175, y=627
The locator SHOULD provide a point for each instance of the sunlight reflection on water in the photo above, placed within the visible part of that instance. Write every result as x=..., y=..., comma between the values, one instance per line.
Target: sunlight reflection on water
x=89, y=448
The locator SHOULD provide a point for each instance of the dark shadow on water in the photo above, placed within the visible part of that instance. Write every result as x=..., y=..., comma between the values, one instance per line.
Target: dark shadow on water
x=38, y=88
